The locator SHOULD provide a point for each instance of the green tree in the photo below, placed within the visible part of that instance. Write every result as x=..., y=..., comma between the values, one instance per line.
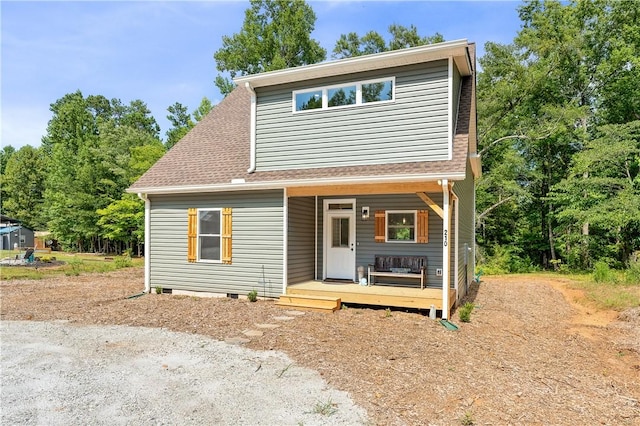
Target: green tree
x=143, y=157
x=602, y=189
x=122, y=222
x=136, y=115
x=181, y=121
x=90, y=142
x=275, y=34
x=6, y=153
x=203, y=109
x=541, y=103
x=23, y=184
x=351, y=45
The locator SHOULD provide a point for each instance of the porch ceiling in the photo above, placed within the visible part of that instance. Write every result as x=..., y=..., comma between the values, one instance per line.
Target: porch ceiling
x=364, y=189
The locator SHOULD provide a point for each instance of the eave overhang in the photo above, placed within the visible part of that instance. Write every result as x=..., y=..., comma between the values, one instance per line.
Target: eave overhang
x=457, y=49
x=270, y=185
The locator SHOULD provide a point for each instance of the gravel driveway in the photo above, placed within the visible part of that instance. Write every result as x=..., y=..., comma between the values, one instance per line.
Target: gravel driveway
x=56, y=373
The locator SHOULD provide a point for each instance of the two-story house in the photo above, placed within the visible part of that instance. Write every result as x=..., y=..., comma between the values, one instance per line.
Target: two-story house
x=301, y=178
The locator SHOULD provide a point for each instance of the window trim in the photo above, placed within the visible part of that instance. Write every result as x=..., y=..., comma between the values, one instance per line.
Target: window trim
x=359, y=103
x=415, y=226
x=198, y=235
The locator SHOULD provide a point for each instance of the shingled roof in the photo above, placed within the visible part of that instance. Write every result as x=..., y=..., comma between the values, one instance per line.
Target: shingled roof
x=217, y=151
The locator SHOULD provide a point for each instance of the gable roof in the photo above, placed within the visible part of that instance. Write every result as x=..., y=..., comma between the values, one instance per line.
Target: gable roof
x=215, y=156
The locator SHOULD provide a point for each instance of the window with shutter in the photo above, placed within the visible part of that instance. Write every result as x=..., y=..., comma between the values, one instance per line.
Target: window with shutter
x=209, y=235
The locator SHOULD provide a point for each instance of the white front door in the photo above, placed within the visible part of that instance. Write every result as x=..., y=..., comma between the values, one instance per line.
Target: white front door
x=340, y=236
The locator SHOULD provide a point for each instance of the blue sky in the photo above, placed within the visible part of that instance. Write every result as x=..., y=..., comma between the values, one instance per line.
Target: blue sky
x=162, y=52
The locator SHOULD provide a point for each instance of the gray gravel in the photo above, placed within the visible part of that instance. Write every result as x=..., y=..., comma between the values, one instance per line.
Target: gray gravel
x=54, y=373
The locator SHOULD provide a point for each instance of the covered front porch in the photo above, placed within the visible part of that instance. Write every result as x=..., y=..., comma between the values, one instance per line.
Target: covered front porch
x=332, y=231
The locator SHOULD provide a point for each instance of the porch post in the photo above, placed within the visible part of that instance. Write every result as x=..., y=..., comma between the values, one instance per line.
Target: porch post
x=446, y=258
x=285, y=238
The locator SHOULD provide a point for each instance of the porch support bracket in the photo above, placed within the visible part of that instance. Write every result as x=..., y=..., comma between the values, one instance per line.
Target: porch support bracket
x=432, y=204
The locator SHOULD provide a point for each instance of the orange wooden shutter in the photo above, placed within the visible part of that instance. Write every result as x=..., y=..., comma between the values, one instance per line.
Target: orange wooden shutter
x=423, y=226
x=192, y=234
x=380, y=226
x=226, y=236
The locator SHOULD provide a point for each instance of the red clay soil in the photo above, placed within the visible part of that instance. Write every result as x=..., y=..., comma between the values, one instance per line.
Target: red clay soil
x=531, y=355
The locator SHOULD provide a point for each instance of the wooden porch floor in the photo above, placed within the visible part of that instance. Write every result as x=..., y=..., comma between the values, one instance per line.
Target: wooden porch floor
x=379, y=295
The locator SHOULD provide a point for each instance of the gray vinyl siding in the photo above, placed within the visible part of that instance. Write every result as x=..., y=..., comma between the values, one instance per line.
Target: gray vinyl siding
x=301, y=238
x=412, y=128
x=257, y=242
x=367, y=248
x=466, y=230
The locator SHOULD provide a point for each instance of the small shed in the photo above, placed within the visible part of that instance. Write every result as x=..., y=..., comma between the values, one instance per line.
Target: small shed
x=13, y=234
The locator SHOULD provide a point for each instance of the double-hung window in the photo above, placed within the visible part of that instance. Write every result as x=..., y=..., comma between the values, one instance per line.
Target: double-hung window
x=401, y=226
x=209, y=235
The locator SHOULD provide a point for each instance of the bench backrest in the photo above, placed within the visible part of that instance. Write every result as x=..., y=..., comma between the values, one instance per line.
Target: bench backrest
x=385, y=263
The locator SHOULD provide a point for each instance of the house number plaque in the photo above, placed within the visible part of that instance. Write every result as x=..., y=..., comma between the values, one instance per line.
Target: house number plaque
x=445, y=240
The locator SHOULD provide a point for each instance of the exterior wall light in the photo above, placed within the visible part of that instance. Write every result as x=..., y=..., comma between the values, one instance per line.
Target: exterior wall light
x=365, y=212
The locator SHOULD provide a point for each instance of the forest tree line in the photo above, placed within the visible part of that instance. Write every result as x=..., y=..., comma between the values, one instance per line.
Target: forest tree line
x=558, y=128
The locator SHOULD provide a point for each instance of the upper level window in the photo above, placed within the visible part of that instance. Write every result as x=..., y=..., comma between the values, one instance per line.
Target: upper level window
x=308, y=100
x=341, y=96
x=377, y=92
x=360, y=93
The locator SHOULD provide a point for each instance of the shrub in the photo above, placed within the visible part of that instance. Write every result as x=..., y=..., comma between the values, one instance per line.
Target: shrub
x=465, y=312
x=123, y=261
x=632, y=275
x=602, y=273
x=252, y=296
x=73, y=267
x=498, y=260
x=158, y=289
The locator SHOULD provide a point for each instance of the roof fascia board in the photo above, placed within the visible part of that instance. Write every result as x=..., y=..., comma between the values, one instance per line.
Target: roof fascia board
x=293, y=183
x=413, y=55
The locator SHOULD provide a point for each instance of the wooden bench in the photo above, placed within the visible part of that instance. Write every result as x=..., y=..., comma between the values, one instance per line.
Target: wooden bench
x=399, y=267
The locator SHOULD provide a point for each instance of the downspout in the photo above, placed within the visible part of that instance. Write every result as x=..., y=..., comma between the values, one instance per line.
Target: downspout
x=450, y=128
x=147, y=241
x=446, y=260
x=252, y=131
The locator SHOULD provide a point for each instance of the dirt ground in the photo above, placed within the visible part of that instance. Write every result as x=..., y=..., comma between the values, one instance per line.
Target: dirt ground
x=533, y=353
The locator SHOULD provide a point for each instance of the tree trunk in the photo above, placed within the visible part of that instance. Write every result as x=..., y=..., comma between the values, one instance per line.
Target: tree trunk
x=552, y=249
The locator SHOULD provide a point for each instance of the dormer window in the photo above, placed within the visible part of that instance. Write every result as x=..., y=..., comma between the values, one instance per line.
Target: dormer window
x=346, y=95
x=308, y=100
